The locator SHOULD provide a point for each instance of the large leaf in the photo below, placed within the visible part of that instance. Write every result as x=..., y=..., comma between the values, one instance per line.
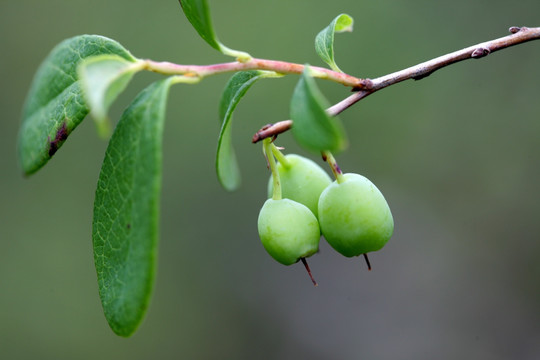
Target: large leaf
x=198, y=14
x=226, y=164
x=126, y=209
x=103, y=78
x=324, y=41
x=55, y=105
x=312, y=127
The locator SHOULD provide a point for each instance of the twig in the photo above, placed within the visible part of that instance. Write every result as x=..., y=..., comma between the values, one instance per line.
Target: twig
x=271, y=130
x=280, y=67
x=418, y=72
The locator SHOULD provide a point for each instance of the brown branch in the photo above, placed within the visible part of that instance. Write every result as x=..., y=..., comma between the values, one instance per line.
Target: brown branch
x=420, y=71
x=271, y=130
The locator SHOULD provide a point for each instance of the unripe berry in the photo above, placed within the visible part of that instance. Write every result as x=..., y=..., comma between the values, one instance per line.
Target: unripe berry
x=302, y=180
x=288, y=230
x=354, y=216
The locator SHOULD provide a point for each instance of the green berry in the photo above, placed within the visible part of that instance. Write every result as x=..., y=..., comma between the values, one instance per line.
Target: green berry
x=354, y=216
x=302, y=180
x=288, y=230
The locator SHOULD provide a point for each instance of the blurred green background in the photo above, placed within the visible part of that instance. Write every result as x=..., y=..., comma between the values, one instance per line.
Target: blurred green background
x=457, y=156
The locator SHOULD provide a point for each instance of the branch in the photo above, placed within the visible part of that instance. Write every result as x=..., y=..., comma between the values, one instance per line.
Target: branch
x=271, y=130
x=281, y=67
x=417, y=72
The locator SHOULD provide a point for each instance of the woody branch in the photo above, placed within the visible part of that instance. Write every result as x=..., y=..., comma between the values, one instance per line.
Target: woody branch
x=519, y=35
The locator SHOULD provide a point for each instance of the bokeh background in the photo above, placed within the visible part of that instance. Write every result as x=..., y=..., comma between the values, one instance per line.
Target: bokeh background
x=457, y=156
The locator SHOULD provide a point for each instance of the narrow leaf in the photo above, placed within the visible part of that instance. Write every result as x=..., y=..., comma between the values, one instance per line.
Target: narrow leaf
x=55, y=105
x=126, y=209
x=312, y=127
x=198, y=14
x=103, y=78
x=226, y=163
x=324, y=41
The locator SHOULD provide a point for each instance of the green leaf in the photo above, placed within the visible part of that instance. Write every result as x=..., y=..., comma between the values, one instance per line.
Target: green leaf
x=103, y=78
x=312, y=127
x=324, y=41
x=198, y=14
x=55, y=105
x=226, y=163
x=126, y=209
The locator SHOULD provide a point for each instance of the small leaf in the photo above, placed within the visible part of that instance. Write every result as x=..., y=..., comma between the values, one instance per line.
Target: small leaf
x=312, y=127
x=126, y=209
x=324, y=41
x=103, y=78
x=198, y=14
x=55, y=105
x=226, y=164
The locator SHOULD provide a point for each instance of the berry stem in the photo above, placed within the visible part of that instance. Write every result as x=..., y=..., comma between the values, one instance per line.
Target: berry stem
x=336, y=170
x=267, y=148
x=304, y=261
x=280, y=157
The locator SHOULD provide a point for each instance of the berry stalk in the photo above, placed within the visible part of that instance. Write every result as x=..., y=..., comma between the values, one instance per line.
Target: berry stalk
x=280, y=157
x=267, y=149
x=336, y=170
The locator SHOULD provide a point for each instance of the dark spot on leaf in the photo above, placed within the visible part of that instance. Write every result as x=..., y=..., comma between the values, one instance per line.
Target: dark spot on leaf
x=61, y=136
x=128, y=226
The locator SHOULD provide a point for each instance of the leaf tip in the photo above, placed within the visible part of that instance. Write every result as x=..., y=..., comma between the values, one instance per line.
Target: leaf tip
x=344, y=23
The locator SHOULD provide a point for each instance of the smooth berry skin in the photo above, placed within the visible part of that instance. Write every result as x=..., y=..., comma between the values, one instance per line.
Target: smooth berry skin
x=288, y=230
x=303, y=180
x=354, y=216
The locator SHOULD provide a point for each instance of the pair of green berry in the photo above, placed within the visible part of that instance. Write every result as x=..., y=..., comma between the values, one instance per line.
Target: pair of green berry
x=351, y=213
